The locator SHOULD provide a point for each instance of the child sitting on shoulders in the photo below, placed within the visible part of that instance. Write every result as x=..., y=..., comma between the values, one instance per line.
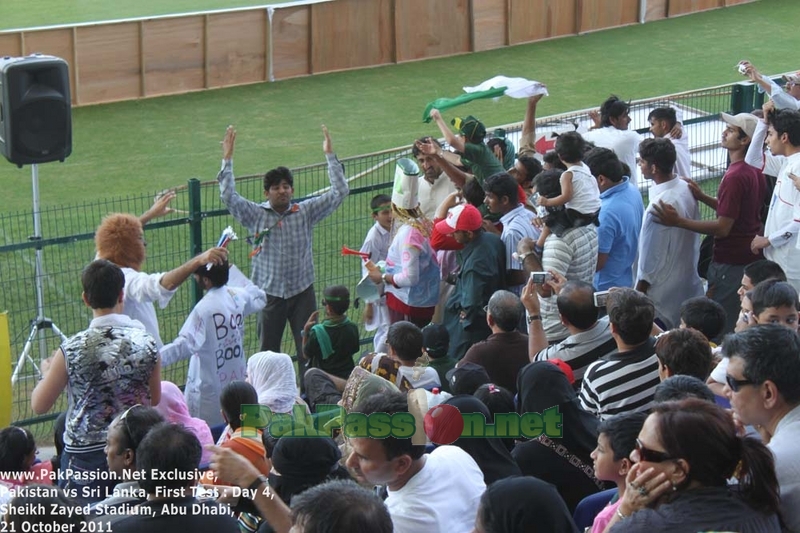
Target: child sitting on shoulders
x=580, y=194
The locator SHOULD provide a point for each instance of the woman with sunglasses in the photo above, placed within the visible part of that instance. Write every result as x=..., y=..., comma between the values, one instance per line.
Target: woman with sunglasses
x=685, y=454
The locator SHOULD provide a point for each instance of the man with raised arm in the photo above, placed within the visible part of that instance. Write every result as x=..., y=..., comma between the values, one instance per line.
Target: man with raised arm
x=283, y=264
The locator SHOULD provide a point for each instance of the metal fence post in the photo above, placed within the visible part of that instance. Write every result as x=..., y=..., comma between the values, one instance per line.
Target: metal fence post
x=195, y=230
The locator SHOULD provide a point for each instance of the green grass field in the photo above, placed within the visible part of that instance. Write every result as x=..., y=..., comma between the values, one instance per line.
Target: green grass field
x=16, y=14
x=147, y=145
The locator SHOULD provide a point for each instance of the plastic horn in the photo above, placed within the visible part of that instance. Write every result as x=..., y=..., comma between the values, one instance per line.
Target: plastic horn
x=348, y=251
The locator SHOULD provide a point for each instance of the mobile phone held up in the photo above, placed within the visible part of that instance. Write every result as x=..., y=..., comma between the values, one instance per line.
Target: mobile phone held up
x=600, y=298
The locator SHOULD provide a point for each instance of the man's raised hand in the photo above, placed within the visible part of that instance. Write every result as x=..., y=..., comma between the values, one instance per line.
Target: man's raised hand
x=327, y=145
x=227, y=143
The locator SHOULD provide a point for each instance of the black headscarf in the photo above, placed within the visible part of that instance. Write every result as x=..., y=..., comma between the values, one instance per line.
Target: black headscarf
x=542, y=385
x=524, y=505
x=304, y=462
x=491, y=454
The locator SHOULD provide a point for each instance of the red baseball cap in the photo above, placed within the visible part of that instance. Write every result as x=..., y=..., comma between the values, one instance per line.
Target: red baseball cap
x=465, y=217
x=565, y=368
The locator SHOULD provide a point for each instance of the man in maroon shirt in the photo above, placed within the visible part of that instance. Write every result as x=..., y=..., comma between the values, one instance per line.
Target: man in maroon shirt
x=505, y=351
x=738, y=203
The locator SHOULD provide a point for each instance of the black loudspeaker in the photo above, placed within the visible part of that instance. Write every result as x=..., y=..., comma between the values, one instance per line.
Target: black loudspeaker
x=35, y=110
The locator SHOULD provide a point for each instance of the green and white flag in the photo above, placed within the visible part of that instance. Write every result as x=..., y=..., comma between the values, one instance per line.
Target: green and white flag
x=492, y=88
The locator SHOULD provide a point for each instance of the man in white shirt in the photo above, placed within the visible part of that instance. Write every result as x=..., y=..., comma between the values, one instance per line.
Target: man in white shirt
x=784, y=99
x=662, y=121
x=213, y=337
x=611, y=131
x=763, y=386
x=434, y=185
x=435, y=493
x=783, y=220
x=667, y=256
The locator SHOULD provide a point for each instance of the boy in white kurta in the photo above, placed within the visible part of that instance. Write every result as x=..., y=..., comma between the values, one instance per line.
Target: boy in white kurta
x=213, y=336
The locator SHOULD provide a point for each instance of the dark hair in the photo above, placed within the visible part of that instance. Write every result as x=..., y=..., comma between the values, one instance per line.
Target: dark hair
x=102, y=282
x=773, y=293
x=551, y=158
x=786, y=121
x=406, y=340
x=685, y=351
x=168, y=448
x=602, y=161
x=680, y=387
x=632, y=314
x=663, y=113
x=218, y=274
x=502, y=184
x=570, y=147
x=416, y=152
x=138, y=421
x=762, y=270
x=770, y=353
x=338, y=298
x=233, y=397
x=622, y=431
x=506, y=309
x=16, y=444
x=659, y=152
x=626, y=170
x=379, y=200
x=390, y=403
x=705, y=315
x=548, y=183
x=276, y=176
x=613, y=107
x=496, y=398
x=576, y=304
x=473, y=192
x=531, y=165
x=58, y=510
x=338, y=506
x=703, y=435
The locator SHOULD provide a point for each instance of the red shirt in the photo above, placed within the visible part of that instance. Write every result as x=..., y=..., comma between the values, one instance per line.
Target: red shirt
x=740, y=197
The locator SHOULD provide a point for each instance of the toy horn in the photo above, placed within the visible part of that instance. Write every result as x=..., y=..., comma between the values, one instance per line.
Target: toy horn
x=348, y=251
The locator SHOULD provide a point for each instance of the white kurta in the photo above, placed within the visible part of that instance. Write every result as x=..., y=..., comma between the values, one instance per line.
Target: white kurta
x=668, y=256
x=783, y=222
x=141, y=290
x=213, y=336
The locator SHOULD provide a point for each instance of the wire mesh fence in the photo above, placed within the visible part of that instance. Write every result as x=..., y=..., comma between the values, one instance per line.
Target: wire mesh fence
x=67, y=231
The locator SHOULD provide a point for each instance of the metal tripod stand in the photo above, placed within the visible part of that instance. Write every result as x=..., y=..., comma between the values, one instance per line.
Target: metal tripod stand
x=40, y=323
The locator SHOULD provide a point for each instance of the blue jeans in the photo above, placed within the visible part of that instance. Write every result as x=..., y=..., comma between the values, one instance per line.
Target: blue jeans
x=85, y=476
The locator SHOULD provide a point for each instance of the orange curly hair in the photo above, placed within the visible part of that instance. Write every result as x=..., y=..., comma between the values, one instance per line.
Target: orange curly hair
x=119, y=240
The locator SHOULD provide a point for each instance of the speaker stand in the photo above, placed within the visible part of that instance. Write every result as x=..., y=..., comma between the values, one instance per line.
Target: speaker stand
x=40, y=323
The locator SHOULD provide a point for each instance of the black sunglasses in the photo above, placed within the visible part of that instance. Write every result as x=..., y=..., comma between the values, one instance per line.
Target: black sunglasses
x=736, y=384
x=651, y=456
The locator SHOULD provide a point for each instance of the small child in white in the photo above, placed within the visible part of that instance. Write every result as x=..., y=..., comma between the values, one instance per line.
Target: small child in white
x=376, y=244
x=580, y=194
x=213, y=336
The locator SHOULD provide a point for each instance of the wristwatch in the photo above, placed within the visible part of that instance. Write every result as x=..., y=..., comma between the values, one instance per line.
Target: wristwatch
x=531, y=318
x=385, y=278
x=260, y=480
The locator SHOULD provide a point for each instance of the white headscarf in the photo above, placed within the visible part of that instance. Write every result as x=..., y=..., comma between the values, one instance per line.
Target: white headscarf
x=272, y=375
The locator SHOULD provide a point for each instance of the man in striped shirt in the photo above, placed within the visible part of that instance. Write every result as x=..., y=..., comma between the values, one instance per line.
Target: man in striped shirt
x=589, y=338
x=624, y=381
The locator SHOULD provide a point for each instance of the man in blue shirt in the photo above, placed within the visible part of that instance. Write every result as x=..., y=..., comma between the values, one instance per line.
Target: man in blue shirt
x=621, y=214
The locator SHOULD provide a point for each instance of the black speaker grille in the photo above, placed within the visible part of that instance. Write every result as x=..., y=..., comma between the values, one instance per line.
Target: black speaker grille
x=41, y=127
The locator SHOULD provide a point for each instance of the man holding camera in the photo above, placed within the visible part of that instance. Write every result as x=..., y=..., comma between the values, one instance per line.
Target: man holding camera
x=589, y=337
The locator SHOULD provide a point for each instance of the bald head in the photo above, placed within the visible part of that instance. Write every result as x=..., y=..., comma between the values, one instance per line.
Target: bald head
x=576, y=304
